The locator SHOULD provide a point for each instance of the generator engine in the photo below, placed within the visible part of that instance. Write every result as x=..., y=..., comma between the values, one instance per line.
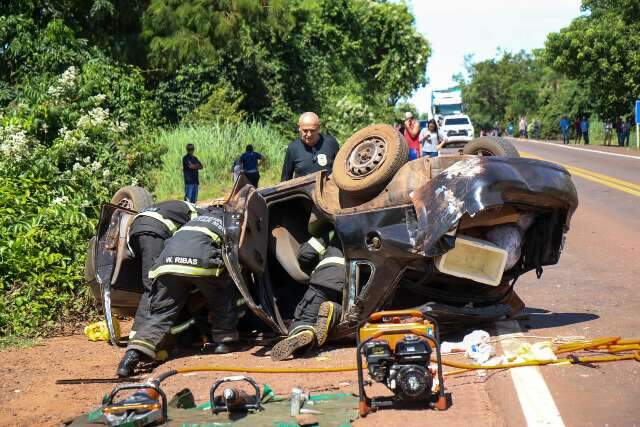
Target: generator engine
x=404, y=371
x=398, y=347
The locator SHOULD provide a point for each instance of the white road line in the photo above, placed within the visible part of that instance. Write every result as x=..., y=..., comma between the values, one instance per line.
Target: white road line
x=579, y=149
x=536, y=401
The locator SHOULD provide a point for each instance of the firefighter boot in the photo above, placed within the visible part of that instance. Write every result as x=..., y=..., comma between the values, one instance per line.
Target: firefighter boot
x=299, y=337
x=128, y=363
x=328, y=317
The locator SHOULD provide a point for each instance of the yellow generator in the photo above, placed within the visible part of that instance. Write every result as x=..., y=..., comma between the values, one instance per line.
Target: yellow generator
x=398, y=348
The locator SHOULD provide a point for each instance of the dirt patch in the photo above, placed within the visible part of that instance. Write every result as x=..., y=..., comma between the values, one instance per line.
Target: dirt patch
x=29, y=395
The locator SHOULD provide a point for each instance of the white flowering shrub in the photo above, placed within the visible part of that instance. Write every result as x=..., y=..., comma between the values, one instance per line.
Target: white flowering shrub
x=63, y=153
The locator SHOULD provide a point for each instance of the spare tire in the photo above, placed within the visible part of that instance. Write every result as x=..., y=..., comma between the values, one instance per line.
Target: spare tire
x=490, y=146
x=369, y=159
x=132, y=197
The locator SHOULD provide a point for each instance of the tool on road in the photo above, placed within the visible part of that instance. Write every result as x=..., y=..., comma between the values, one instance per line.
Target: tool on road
x=234, y=399
x=398, y=347
x=73, y=381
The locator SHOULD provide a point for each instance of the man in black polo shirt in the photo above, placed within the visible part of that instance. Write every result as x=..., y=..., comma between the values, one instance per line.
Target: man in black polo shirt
x=310, y=153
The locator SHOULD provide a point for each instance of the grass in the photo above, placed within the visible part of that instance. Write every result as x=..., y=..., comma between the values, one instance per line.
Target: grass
x=217, y=146
x=12, y=342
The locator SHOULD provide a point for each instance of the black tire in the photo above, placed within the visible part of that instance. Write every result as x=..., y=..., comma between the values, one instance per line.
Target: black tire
x=369, y=159
x=491, y=146
x=132, y=197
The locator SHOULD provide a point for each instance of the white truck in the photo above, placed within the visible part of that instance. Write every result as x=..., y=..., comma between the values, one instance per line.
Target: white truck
x=445, y=102
x=447, y=109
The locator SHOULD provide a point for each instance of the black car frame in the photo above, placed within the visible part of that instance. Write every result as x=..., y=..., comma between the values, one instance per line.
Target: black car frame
x=393, y=237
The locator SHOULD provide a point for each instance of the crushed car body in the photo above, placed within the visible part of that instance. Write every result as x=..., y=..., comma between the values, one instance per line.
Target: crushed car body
x=510, y=215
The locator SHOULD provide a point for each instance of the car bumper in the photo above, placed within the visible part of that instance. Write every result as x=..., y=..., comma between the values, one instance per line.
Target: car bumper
x=477, y=183
x=459, y=138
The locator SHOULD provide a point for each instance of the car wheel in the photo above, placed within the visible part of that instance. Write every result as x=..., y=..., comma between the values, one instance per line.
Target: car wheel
x=369, y=159
x=132, y=197
x=490, y=146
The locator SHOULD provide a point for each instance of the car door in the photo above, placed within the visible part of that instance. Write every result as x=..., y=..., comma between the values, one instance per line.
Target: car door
x=245, y=248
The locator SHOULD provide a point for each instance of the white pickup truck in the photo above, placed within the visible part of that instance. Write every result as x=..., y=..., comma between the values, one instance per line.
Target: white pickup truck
x=458, y=128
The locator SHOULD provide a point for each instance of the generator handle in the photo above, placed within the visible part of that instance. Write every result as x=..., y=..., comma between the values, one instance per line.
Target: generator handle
x=381, y=314
x=146, y=386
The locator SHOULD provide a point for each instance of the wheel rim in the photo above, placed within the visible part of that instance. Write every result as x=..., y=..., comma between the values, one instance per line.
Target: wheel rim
x=126, y=203
x=483, y=153
x=366, y=157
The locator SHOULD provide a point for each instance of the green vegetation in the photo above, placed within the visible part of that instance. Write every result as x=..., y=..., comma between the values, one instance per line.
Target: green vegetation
x=589, y=68
x=12, y=341
x=93, y=93
x=216, y=147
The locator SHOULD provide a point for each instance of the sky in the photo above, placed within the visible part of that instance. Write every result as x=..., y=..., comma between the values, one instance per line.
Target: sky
x=459, y=27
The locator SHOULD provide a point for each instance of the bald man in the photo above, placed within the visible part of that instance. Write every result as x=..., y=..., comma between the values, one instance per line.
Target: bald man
x=310, y=153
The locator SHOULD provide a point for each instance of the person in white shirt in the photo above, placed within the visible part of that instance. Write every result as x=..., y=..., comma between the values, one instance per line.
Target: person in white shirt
x=432, y=139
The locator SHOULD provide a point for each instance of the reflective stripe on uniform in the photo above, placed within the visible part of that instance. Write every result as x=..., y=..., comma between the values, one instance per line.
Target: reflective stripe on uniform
x=330, y=260
x=204, y=230
x=194, y=212
x=155, y=215
x=185, y=271
x=317, y=245
x=142, y=343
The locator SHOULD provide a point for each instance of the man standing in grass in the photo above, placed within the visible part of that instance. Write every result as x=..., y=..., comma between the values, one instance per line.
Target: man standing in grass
x=249, y=164
x=584, y=128
x=190, y=167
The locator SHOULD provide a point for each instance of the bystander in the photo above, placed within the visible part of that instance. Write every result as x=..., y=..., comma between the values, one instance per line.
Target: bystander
x=627, y=131
x=190, y=167
x=412, y=135
x=620, y=131
x=584, y=128
x=608, y=132
x=249, y=162
x=522, y=126
x=578, y=128
x=564, y=128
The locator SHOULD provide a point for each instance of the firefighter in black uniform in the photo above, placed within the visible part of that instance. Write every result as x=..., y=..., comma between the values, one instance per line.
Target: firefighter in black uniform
x=147, y=234
x=319, y=310
x=191, y=258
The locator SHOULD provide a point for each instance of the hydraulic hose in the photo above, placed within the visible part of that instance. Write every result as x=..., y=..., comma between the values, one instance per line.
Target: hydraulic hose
x=461, y=366
x=606, y=345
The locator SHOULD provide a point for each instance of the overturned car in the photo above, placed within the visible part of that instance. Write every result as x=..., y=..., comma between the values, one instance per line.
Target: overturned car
x=448, y=235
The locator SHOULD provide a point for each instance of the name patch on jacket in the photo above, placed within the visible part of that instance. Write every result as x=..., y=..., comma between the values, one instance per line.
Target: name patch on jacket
x=181, y=260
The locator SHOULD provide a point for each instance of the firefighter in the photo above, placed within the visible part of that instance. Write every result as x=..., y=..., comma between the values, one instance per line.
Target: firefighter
x=318, y=311
x=192, y=258
x=146, y=237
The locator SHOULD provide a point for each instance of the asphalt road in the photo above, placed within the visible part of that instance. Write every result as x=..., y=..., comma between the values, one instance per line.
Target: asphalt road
x=592, y=292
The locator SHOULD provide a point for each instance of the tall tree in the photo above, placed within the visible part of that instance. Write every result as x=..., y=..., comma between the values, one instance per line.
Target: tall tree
x=600, y=51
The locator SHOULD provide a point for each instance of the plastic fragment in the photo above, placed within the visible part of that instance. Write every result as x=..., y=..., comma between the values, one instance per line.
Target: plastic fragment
x=98, y=331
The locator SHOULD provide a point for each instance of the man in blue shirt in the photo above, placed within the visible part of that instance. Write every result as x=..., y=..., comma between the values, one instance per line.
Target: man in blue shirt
x=249, y=164
x=190, y=167
x=584, y=127
x=564, y=127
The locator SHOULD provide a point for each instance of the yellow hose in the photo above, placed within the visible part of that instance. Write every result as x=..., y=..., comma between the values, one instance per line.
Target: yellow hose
x=462, y=367
x=607, y=344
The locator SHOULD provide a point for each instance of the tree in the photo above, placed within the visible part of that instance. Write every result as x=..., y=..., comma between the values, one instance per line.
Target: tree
x=501, y=88
x=600, y=51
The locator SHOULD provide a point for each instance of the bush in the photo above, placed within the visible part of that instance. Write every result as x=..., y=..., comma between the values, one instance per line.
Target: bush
x=65, y=146
x=217, y=146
